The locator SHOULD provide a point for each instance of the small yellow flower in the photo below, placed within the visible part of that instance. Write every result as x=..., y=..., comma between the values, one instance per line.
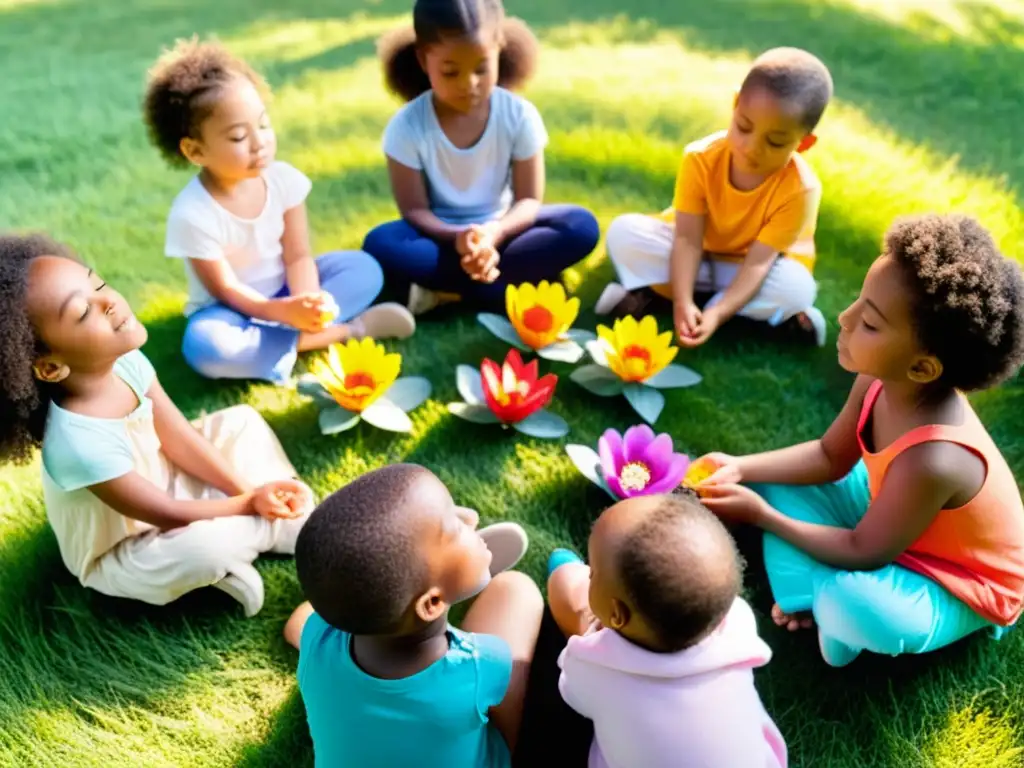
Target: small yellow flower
x=636, y=351
x=357, y=372
x=540, y=314
x=698, y=472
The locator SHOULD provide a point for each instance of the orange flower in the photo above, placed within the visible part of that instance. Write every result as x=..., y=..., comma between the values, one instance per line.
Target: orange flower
x=541, y=315
x=357, y=373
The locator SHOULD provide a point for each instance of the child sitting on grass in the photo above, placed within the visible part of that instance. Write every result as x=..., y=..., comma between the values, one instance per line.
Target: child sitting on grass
x=466, y=159
x=661, y=647
x=257, y=297
x=743, y=217
x=144, y=505
x=902, y=529
x=386, y=680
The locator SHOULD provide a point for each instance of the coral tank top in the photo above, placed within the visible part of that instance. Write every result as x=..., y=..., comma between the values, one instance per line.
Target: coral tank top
x=975, y=551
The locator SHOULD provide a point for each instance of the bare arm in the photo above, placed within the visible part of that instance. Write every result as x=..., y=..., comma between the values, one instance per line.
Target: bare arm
x=134, y=496
x=296, y=623
x=223, y=284
x=819, y=461
x=410, y=191
x=528, y=178
x=918, y=484
x=752, y=273
x=300, y=269
x=687, y=252
x=188, y=450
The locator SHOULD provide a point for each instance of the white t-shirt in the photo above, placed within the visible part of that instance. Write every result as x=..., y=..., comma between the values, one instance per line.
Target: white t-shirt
x=471, y=185
x=198, y=227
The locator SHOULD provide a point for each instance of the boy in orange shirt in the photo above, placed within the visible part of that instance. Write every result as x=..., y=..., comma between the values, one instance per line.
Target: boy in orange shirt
x=742, y=220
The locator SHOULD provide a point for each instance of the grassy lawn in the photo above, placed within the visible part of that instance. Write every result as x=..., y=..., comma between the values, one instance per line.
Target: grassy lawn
x=926, y=118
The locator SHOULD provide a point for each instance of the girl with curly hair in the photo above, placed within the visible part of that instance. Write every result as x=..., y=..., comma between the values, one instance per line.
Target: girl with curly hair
x=902, y=529
x=466, y=160
x=257, y=296
x=144, y=504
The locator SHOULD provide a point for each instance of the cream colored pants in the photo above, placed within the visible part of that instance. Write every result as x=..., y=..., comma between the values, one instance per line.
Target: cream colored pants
x=160, y=566
x=639, y=247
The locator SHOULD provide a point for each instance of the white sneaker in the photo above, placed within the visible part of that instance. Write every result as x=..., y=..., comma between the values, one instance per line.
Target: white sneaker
x=422, y=300
x=384, y=321
x=508, y=543
x=612, y=294
x=245, y=585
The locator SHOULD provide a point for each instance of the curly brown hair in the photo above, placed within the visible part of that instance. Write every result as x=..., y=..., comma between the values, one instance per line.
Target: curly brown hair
x=967, y=299
x=435, y=19
x=182, y=88
x=24, y=400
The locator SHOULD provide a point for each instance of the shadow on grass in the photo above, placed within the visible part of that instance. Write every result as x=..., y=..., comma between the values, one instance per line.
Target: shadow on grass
x=954, y=94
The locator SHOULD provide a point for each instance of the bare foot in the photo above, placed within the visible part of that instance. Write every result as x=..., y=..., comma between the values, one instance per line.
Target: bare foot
x=791, y=621
x=332, y=334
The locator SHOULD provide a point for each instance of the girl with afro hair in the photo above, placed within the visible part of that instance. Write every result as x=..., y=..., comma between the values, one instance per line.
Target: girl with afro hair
x=902, y=529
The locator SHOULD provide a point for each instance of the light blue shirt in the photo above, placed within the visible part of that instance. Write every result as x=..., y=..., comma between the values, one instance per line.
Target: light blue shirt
x=436, y=718
x=79, y=451
x=473, y=185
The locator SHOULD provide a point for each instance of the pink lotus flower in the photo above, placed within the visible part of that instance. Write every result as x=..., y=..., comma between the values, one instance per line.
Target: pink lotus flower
x=639, y=464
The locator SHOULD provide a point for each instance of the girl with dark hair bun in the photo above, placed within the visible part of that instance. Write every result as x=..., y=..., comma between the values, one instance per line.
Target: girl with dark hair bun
x=466, y=160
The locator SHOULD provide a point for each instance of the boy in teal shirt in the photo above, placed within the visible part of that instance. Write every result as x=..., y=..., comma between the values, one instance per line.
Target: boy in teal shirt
x=386, y=680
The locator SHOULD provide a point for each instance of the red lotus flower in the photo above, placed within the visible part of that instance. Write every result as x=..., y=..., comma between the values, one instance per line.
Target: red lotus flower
x=513, y=392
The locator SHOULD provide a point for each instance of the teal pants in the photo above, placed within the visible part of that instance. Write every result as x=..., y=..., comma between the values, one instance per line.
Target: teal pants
x=890, y=611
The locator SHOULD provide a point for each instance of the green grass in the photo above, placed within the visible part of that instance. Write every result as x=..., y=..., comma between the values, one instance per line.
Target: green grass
x=926, y=118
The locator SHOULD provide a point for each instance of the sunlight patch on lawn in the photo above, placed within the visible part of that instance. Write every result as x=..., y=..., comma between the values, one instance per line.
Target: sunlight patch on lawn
x=286, y=41
x=867, y=171
x=974, y=738
x=947, y=20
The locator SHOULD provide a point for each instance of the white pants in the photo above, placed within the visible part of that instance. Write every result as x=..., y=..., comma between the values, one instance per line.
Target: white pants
x=158, y=567
x=640, y=246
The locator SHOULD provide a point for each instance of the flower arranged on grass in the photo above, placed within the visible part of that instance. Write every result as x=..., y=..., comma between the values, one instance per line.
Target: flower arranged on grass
x=358, y=381
x=635, y=464
x=511, y=395
x=634, y=360
x=540, y=319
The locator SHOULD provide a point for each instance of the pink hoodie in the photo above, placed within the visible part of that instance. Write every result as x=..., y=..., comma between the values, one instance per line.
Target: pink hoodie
x=697, y=708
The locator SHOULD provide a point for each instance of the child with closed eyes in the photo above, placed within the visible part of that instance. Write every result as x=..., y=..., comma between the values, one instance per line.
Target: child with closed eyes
x=257, y=296
x=900, y=530
x=144, y=504
x=466, y=160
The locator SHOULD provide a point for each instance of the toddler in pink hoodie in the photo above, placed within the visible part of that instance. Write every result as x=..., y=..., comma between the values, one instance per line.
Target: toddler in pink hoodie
x=661, y=648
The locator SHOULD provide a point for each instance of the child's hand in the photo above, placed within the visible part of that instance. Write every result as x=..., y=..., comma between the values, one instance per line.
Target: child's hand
x=281, y=500
x=734, y=503
x=687, y=317
x=727, y=470
x=304, y=312
x=708, y=322
x=482, y=266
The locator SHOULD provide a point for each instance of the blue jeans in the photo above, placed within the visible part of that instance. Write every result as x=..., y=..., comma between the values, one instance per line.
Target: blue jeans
x=561, y=236
x=891, y=610
x=221, y=343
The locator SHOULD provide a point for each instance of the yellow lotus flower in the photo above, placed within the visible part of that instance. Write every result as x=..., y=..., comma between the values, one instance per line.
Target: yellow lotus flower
x=636, y=351
x=356, y=373
x=540, y=314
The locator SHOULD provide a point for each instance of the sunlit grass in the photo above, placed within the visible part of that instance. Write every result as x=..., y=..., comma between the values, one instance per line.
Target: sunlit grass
x=88, y=681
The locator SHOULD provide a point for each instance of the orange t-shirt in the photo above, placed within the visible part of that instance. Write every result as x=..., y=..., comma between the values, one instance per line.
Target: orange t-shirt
x=975, y=551
x=782, y=212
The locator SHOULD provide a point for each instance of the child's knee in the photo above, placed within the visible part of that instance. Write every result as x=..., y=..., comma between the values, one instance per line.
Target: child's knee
x=790, y=287
x=623, y=235
x=519, y=592
x=865, y=610
x=581, y=228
